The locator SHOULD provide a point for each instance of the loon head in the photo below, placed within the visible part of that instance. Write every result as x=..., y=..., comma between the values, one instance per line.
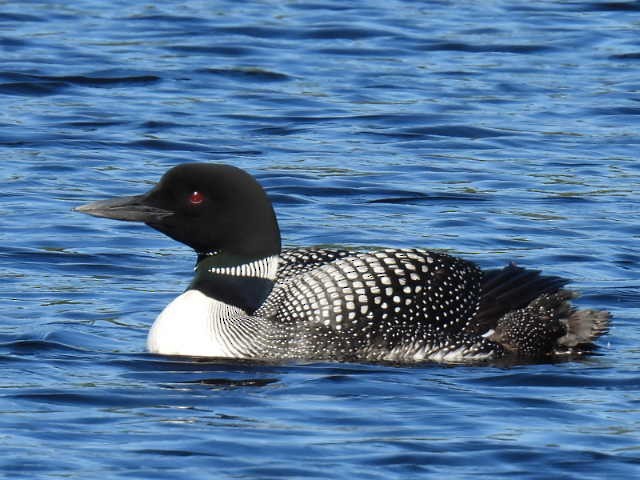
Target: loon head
x=226, y=217
x=211, y=208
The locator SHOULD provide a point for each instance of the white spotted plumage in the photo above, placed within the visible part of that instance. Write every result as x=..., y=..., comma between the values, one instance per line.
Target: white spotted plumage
x=335, y=302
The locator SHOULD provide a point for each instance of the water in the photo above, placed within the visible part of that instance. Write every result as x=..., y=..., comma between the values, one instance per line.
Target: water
x=501, y=131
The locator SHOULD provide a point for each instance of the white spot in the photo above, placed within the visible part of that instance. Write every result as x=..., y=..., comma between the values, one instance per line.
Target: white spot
x=488, y=333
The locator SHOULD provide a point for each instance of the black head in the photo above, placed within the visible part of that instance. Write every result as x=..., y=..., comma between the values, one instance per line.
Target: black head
x=208, y=207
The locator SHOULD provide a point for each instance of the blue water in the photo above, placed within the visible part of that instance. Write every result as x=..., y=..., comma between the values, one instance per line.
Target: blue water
x=497, y=130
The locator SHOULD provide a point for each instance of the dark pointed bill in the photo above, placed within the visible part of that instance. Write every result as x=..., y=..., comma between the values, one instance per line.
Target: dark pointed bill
x=131, y=209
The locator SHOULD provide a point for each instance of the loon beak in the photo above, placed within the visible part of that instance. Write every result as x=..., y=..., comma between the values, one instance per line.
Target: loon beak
x=131, y=209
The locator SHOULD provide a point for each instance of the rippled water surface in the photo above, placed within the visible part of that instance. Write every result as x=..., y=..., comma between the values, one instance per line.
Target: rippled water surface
x=497, y=130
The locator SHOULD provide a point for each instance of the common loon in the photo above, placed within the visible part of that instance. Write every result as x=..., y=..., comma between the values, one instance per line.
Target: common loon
x=251, y=299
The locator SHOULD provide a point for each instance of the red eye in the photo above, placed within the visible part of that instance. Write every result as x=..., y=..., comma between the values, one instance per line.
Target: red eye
x=196, y=198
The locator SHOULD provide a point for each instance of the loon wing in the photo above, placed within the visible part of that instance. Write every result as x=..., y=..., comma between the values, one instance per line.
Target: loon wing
x=412, y=299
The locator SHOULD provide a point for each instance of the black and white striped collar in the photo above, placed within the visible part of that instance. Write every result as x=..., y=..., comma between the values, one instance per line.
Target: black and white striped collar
x=266, y=268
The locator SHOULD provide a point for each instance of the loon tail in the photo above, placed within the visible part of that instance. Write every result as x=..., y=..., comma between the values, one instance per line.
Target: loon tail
x=531, y=315
x=584, y=327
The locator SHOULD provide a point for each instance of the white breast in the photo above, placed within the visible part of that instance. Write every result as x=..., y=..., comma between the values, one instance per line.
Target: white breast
x=191, y=325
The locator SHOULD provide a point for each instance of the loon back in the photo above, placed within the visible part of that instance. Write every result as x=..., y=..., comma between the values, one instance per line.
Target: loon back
x=249, y=299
